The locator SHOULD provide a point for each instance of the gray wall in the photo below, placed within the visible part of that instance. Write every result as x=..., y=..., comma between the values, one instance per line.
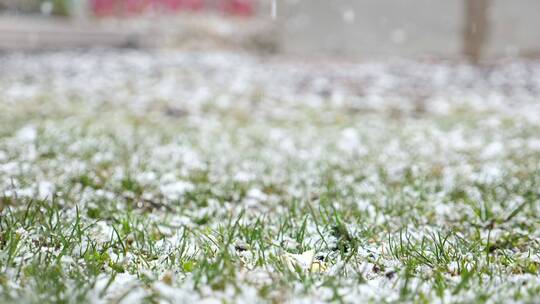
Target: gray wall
x=383, y=28
x=515, y=28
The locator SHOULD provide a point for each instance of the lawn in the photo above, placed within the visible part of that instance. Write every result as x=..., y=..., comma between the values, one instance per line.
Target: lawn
x=166, y=177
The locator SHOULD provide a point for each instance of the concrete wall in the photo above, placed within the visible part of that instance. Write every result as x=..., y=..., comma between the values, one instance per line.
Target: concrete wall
x=387, y=28
x=515, y=28
x=368, y=29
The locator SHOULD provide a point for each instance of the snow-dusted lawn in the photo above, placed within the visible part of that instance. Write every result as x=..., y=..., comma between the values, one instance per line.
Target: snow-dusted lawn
x=174, y=177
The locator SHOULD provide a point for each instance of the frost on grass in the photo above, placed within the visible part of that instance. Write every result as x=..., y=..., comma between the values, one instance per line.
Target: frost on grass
x=177, y=177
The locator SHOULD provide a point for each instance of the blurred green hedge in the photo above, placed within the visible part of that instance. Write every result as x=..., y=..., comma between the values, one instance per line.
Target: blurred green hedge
x=57, y=7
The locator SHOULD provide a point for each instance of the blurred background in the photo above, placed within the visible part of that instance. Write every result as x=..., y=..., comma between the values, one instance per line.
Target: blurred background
x=358, y=29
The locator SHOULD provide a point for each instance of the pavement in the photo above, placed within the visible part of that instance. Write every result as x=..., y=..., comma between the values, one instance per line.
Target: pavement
x=39, y=33
x=34, y=33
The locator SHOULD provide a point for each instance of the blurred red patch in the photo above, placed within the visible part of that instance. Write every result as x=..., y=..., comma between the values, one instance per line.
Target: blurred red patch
x=133, y=7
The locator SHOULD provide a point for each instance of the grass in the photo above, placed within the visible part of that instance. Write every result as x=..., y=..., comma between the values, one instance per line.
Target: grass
x=102, y=202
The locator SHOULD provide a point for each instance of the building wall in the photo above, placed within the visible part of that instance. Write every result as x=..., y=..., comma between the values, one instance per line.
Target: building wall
x=358, y=28
x=515, y=28
x=387, y=28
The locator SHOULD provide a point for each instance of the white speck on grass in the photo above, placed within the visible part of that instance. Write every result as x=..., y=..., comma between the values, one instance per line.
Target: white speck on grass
x=175, y=190
x=27, y=134
x=493, y=150
x=45, y=190
x=102, y=232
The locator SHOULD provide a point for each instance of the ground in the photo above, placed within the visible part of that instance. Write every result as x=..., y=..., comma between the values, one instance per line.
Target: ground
x=179, y=177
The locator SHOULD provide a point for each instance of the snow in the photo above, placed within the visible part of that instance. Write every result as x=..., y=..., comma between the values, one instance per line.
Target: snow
x=247, y=135
x=176, y=189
